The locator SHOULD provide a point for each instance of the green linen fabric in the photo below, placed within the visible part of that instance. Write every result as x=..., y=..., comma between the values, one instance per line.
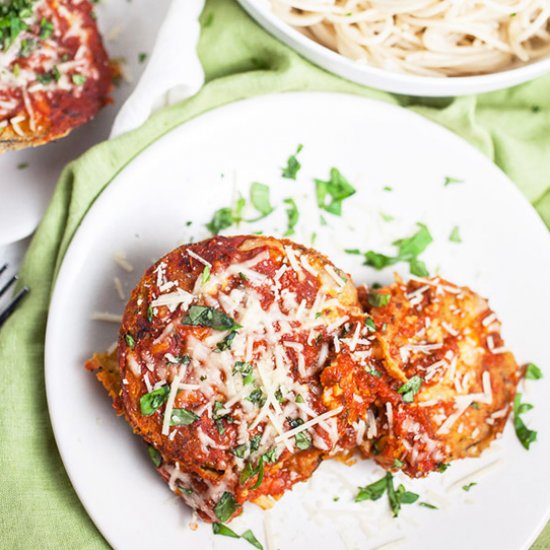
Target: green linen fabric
x=38, y=506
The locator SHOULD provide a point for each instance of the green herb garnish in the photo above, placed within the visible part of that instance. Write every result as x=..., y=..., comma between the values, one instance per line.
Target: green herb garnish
x=221, y=529
x=182, y=417
x=293, y=215
x=370, y=324
x=249, y=537
x=292, y=165
x=410, y=388
x=332, y=192
x=428, y=505
x=408, y=251
x=154, y=455
x=130, y=341
x=532, y=372
x=78, y=79
x=454, y=237
x=225, y=344
x=259, y=198
x=378, y=299
x=150, y=402
x=209, y=317
x=524, y=434
x=225, y=507
x=142, y=56
x=205, y=274
x=469, y=486
x=450, y=180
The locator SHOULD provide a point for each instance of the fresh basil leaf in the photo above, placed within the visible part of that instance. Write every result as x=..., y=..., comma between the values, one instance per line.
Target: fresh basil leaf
x=406, y=497
x=255, y=443
x=225, y=344
x=393, y=497
x=240, y=450
x=260, y=471
x=271, y=455
x=182, y=417
x=154, y=455
x=293, y=166
x=532, y=372
x=413, y=246
x=397, y=463
x=469, y=486
x=130, y=341
x=332, y=192
x=209, y=317
x=293, y=215
x=442, y=467
x=353, y=251
x=256, y=396
x=410, y=388
x=454, y=237
x=370, y=324
x=374, y=491
x=150, y=402
x=226, y=507
x=523, y=433
x=378, y=299
x=418, y=268
x=428, y=505
x=449, y=180
x=249, y=537
x=302, y=441
x=259, y=198
x=222, y=219
x=221, y=529
x=205, y=274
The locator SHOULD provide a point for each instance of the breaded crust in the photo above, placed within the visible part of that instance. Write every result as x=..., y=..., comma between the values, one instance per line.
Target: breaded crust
x=244, y=373
x=56, y=74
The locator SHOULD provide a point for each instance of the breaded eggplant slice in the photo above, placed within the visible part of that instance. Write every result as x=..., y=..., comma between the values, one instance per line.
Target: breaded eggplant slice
x=220, y=351
x=54, y=71
x=452, y=379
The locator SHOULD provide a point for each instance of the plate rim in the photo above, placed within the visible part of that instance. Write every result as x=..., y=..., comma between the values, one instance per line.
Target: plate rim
x=72, y=249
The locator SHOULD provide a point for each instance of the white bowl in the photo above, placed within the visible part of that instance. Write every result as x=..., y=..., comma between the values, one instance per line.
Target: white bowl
x=386, y=80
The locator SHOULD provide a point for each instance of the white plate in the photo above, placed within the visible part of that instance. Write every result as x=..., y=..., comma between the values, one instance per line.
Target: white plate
x=196, y=169
x=128, y=28
x=395, y=82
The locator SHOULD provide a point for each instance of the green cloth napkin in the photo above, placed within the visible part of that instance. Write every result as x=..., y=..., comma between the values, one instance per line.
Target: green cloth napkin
x=38, y=506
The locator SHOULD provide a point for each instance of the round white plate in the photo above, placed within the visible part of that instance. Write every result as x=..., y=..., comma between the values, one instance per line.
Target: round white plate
x=29, y=176
x=395, y=82
x=200, y=167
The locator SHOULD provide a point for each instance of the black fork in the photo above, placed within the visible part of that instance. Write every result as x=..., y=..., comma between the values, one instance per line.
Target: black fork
x=15, y=301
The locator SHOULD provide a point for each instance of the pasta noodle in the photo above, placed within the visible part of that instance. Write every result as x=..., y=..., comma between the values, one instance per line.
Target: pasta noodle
x=426, y=37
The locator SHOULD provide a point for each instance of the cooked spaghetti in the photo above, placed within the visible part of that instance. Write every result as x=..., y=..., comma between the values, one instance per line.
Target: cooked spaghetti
x=426, y=37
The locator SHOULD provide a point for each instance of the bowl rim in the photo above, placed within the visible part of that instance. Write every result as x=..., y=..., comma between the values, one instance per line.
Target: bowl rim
x=387, y=80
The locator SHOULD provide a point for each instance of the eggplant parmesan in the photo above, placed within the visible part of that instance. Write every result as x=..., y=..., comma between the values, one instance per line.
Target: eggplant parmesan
x=54, y=71
x=444, y=383
x=220, y=351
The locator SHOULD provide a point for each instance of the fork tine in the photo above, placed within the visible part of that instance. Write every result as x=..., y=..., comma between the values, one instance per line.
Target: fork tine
x=7, y=285
x=14, y=303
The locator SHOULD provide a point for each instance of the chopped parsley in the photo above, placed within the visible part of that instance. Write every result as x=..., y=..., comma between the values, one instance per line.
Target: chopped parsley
x=204, y=316
x=450, y=180
x=259, y=198
x=292, y=165
x=150, y=402
x=378, y=299
x=205, y=275
x=255, y=443
x=226, y=507
x=142, y=56
x=182, y=417
x=410, y=388
x=524, y=434
x=292, y=215
x=442, y=467
x=469, y=486
x=154, y=455
x=532, y=372
x=454, y=237
x=332, y=192
x=408, y=251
